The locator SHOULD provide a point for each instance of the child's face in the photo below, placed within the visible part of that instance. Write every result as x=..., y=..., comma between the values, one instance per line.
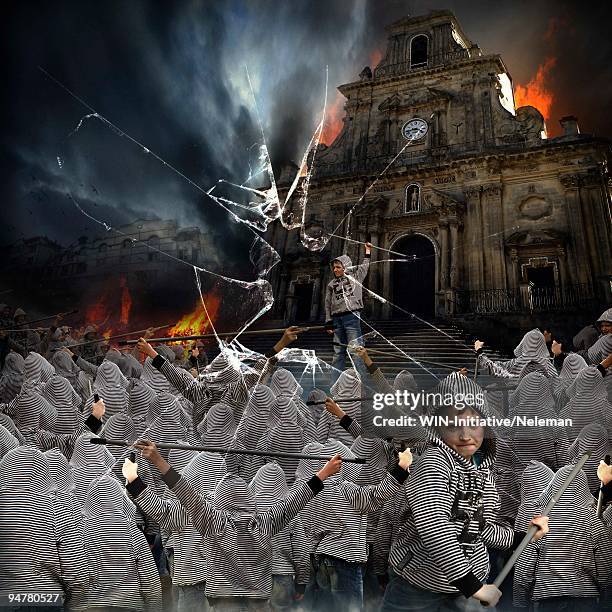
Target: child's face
x=338, y=269
x=462, y=438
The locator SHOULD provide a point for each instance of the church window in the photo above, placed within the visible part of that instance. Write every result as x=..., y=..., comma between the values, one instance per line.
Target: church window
x=412, y=198
x=418, y=51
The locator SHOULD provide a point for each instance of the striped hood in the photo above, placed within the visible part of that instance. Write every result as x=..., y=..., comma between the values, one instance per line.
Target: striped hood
x=532, y=347
x=404, y=381
x=588, y=402
x=283, y=412
x=594, y=438
x=65, y=366
x=377, y=454
x=233, y=495
x=154, y=378
x=37, y=369
x=606, y=316
x=85, y=453
x=119, y=359
x=109, y=375
x=316, y=395
x=283, y=383
x=7, y=441
x=140, y=397
x=165, y=421
x=218, y=426
x=601, y=349
x=535, y=478
x=204, y=472
x=269, y=486
x=12, y=377
x=105, y=496
x=135, y=367
x=119, y=427
x=253, y=422
x=60, y=394
x=61, y=471
x=285, y=438
x=577, y=494
x=26, y=469
x=34, y=412
x=179, y=458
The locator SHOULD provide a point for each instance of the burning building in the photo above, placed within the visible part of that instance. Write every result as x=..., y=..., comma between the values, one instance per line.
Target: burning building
x=494, y=217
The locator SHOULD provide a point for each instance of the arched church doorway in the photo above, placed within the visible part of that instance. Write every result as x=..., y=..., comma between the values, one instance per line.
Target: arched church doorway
x=414, y=281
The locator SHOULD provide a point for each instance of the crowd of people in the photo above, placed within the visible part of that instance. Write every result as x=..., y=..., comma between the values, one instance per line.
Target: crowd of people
x=425, y=523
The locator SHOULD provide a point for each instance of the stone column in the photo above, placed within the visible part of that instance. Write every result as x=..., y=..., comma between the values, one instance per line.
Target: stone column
x=494, y=238
x=443, y=223
x=473, y=240
x=386, y=279
x=575, y=220
x=374, y=275
x=454, y=253
x=314, y=306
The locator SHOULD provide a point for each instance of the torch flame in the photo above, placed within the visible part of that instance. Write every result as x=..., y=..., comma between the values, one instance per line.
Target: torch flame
x=536, y=93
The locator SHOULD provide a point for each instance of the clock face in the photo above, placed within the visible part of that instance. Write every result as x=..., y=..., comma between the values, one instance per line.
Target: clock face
x=415, y=129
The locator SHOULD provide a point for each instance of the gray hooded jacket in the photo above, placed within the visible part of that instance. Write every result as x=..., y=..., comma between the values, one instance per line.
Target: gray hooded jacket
x=344, y=294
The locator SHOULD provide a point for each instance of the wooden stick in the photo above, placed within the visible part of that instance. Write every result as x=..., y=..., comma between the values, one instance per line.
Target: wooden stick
x=131, y=333
x=600, y=496
x=216, y=449
x=50, y=317
x=340, y=401
x=256, y=332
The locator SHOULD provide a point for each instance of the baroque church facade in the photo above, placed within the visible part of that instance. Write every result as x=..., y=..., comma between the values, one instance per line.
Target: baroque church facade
x=485, y=214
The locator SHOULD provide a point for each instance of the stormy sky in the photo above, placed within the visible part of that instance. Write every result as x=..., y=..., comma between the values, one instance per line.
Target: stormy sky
x=172, y=76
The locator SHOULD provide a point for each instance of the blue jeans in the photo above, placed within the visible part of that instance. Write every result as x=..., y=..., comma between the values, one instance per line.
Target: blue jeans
x=567, y=604
x=282, y=592
x=347, y=328
x=341, y=583
x=192, y=599
x=401, y=596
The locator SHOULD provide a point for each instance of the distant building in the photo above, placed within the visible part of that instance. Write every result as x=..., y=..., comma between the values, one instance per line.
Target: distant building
x=499, y=219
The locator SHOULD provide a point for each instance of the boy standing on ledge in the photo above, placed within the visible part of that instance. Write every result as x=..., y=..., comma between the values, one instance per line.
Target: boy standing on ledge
x=343, y=304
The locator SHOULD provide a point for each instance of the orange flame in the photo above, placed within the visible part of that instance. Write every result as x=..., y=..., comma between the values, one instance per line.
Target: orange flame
x=375, y=58
x=536, y=93
x=333, y=120
x=126, y=301
x=197, y=322
x=96, y=312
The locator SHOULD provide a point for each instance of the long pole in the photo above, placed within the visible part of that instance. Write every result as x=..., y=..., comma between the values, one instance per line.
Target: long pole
x=131, y=333
x=51, y=317
x=532, y=530
x=216, y=449
x=256, y=332
x=600, y=497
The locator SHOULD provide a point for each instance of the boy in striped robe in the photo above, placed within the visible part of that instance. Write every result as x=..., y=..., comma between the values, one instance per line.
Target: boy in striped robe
x=237, y=535
x=440, y=552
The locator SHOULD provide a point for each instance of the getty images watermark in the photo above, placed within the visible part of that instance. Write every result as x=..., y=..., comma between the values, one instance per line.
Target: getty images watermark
x=460, y=401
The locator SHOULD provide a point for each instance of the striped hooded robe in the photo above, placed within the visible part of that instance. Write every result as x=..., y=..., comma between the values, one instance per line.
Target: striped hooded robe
x=336, y=521
x=59, y=393
x=36, y=419
x=237, y=537
x=202, y=473
x=12, y=377
x=534, y=479
x=575, y=558
x=588, y=402
x=63, y=478
x=316, y=410
x=573, y=364
x=532, y=348
x=218, y=426
x=347, y=387
x=8, y=423
x=548, y=444
x=124, y=573
x=65, y=366
x=600, y=350
x=452, y=517
x=111, y=386
x=594, y=438
x=290, y=549
x=42, y=546
x=283, y=384
x=89, y=461
x=7, y=441
x=254, y=421
x=37, y=371
x=140, y=398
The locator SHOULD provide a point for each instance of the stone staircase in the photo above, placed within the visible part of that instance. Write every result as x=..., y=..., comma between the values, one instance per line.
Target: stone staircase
x=440, y=342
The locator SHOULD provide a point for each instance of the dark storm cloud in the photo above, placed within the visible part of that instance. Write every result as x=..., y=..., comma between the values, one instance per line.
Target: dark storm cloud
x=172, y=75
